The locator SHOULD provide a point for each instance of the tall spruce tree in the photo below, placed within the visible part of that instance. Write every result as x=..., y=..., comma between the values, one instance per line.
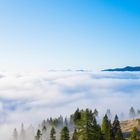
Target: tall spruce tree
x=53, y=134
x=117, y=132
x=106, y=128
x=77, y=117
x=65, y=133
x=86, y=125
x=96, y=130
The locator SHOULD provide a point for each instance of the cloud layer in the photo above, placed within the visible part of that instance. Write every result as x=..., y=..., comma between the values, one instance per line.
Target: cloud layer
x=31, y=97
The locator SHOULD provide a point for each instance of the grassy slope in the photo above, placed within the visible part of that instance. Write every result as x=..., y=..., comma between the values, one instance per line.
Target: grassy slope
x=128, y=125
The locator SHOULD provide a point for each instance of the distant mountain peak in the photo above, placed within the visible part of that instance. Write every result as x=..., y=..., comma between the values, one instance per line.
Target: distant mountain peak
x=127, y=68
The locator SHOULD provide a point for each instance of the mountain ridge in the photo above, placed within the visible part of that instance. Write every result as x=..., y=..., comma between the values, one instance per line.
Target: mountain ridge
x=124, y=69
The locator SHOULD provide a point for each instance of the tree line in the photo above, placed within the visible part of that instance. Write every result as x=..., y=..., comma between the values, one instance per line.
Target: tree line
x=81, y=125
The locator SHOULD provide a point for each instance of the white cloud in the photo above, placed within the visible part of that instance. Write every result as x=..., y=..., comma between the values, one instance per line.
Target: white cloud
x=31, y=97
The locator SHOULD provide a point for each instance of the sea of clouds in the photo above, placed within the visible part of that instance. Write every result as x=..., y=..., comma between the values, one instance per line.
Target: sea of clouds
x=32, y=97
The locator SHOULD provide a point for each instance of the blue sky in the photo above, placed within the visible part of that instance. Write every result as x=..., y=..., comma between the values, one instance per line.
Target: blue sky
x=69, y=34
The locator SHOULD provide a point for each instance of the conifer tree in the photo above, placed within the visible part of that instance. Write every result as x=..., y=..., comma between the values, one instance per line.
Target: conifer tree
x=52, y=134
x=134, y=134
x=108, y=113
x=96, y=113
x=22, y=134
x=106, y=128
x=66, y=121
x=65, y=133
x=44, y=132
x=132, y=112
x=60, y=121
x=38, y=135
x=117, y=133
x=96, y=130
x=75, y=135
x=44, y=129
x=86, y=125
x=15, y=134
x=43, y=123
x=77, y=117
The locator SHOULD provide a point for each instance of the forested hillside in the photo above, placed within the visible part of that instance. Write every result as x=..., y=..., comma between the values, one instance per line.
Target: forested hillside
x=81, y=125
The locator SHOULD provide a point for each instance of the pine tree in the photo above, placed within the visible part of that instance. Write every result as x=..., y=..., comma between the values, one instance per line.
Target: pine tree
x=134, y=134
x=15, y=134
x=108, y=113
x=44, y=132
x=71, y=123
x=65, y=133
x=96, y=113
x=52, y=134
x=106, y=128
x=86, y=125
x=66, y=121
x=77, y=117
x=60, y=121
x=117, y=133
x=132, y=112
x=22, y=134
x=75, y=135
x=38, y=135
x=96, y=130
x=44, y=129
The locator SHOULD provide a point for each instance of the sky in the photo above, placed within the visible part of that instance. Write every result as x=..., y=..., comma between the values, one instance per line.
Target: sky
x=40, y=35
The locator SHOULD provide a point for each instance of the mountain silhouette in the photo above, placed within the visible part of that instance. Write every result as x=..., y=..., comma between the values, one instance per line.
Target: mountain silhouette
x=128, y=68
